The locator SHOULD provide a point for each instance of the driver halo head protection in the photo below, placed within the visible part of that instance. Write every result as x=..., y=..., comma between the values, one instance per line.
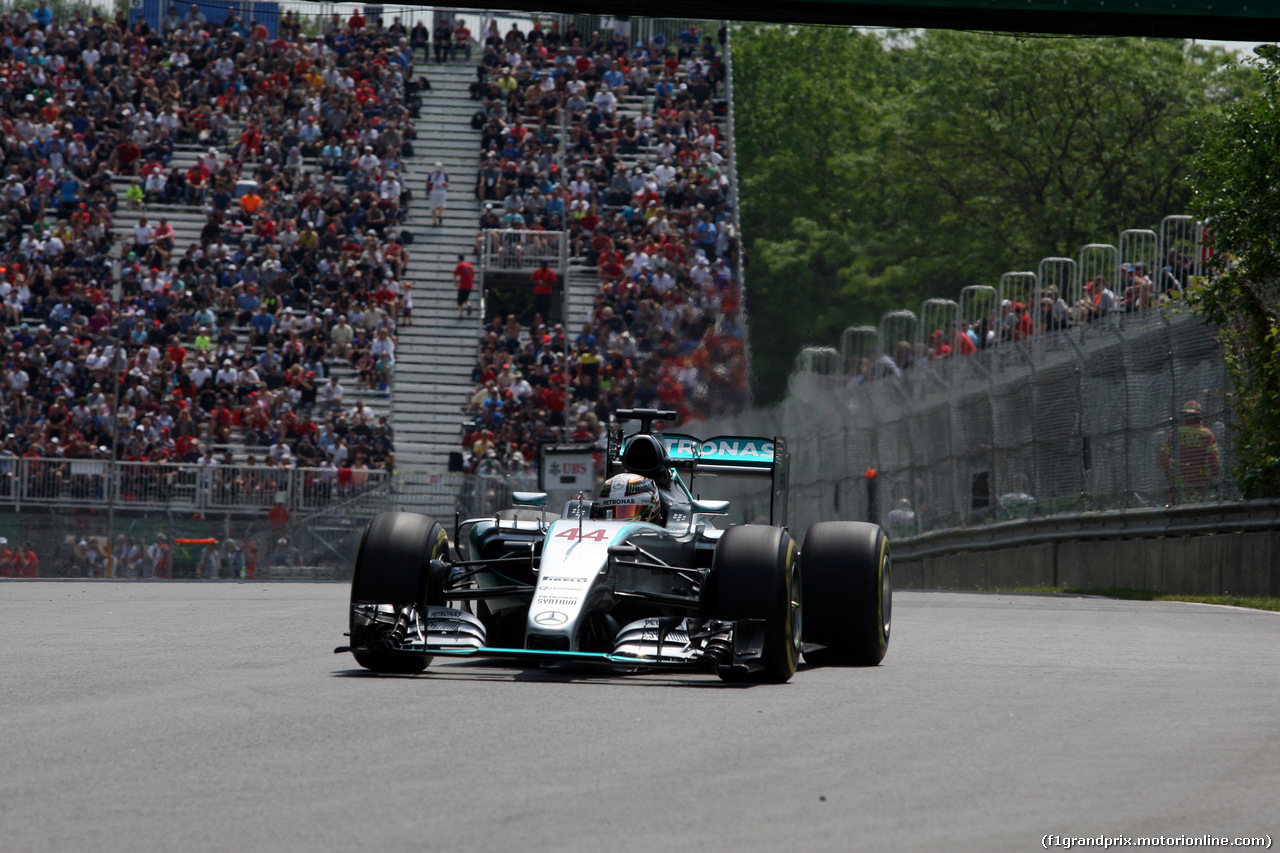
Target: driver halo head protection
x=629, y=497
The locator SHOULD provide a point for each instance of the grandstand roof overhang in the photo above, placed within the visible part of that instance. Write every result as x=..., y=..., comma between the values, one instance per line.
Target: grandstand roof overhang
x=1227, y=20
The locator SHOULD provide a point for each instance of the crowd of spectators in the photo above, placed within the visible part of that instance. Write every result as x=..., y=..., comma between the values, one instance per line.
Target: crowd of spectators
x=640, y=184
x=229, y=339
x=1009, y=321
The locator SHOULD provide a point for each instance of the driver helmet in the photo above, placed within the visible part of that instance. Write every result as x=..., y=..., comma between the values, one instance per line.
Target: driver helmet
x=629, y=497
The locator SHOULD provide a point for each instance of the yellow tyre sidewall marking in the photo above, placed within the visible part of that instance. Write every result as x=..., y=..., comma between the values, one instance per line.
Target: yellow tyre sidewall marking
x=792, y=653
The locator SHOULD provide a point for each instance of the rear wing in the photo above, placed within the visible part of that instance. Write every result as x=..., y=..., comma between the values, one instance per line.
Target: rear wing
x=720, y=456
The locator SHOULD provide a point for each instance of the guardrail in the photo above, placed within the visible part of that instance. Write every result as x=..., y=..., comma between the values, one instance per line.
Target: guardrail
x=1204, y=549
x=93, y=483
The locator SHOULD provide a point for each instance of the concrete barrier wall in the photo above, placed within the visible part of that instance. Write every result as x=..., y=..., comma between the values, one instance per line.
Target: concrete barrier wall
x=1201, y=551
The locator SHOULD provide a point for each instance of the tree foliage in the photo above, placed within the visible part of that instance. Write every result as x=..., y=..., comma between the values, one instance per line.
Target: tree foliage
x=1236, y=181
x=877, y=173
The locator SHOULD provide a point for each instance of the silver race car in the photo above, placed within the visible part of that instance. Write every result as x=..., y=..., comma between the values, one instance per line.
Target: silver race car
x=639, y=578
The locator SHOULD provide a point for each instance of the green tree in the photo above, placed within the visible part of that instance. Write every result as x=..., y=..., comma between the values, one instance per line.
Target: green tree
x=891, y=171
x=805, y=98
x=1236, y=179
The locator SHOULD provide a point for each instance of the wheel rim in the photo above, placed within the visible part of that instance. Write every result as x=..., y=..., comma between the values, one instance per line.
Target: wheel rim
x=886, y=596
x=797, y=608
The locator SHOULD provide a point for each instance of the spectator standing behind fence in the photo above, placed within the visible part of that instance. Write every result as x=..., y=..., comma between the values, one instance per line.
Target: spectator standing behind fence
x=161, y=558
x=1189, y=457
x=901, y=520
x=26, y=562
x=1097, y=301
x=1017, y=502
x=210, y=562
x=278, y=517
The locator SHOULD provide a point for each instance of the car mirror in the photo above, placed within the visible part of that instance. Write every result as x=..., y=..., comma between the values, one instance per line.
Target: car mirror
x=529, y=498
x=711, y=507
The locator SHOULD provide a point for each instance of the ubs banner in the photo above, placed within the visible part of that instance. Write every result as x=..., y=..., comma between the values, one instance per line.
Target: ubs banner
x=570, y=468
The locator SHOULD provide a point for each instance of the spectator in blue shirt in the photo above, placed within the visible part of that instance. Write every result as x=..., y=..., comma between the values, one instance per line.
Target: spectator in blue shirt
x=69, y=188
x=331, y=156
x=688, y=41
x=42, y=14
x=221, y=200
x=614, y=77
x=665, y=88
x=705, y=234
x=262, y=324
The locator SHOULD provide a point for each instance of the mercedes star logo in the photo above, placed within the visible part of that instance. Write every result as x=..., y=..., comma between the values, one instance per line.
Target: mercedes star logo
x=551, y=617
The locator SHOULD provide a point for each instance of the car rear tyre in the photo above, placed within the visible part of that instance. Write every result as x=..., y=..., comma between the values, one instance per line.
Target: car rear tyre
x=850, y=604
x=757, y=576
x=393, y=566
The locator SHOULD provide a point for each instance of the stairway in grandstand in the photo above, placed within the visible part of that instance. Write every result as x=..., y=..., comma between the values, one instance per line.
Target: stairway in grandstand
x=436, y=355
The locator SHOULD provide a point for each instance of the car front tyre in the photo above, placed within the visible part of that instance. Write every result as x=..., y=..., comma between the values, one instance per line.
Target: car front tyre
x=393, y=567
x=757, y=576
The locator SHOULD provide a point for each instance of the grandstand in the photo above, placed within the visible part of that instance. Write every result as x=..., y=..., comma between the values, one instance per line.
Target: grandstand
x=203, y=271
x=214, y=231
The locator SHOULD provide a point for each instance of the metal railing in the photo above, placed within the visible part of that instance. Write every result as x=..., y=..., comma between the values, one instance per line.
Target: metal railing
x=92, y=484
x=518, y=250
x=214, y=522
x=97, y=484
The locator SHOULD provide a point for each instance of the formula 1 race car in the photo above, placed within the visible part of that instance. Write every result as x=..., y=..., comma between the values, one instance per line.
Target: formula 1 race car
x=638, y=579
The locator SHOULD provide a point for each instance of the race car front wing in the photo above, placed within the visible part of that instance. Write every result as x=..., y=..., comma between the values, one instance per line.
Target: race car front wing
x=667, y=644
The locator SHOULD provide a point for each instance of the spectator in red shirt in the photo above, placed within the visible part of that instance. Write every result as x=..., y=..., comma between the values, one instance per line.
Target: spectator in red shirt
x=544, y=280
x=384, y=296
x=1025, y=324
x=553, y=400
x=610, y=266
x=939, y=346
x=126, y=157
x=176, y=352
x=278, y=517
x=961, y=343
x=464, y=276
x=26, y=563
x=250, y=145
x=461, y=41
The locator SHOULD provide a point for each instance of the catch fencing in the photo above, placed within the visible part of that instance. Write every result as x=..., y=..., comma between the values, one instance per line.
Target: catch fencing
x=1069, y=421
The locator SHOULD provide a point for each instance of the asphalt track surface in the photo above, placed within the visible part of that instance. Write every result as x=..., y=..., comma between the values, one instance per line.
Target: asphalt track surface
x=209, y=717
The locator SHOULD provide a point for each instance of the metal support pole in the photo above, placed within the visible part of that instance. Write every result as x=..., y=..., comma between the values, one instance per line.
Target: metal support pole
x=114, y=473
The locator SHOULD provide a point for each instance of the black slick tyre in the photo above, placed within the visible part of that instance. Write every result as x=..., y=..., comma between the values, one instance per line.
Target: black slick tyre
x=393, y=567
x=850, y=603
x=757, y=576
